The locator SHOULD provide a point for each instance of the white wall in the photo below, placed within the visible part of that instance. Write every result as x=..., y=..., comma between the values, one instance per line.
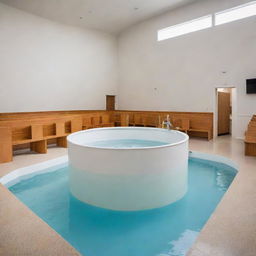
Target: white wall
x=48, y=66
x=181, y=73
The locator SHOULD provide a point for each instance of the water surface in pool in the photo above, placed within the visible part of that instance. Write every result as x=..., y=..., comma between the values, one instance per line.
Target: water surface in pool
x=125, y=143
x=167, y=231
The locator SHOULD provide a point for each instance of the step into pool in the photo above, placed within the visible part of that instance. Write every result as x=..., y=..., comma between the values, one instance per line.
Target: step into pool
x=166, y=231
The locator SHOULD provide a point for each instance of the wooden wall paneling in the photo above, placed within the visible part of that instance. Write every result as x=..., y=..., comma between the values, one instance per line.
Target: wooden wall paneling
x=115, y=117
x=49, y=129
x=138, y=120
x=62, y=142
x=44, y=114
x=250, y=149
x=250, y=138
x=106, y=120
x=76, y=124
x=20, y=146
x=5, y=144
x=96, y=121
x=68, y=127
x=176, y=122
x=185, y=124
x=87, y=122
x=60, y=128
x=37, y=131
x=201, y=127
x=25, y=127
x=51, y=141
x=151, y=121
x=20, y=133
x=124, y=119
x=131, y=118
x=251, y=125
x=39, y=146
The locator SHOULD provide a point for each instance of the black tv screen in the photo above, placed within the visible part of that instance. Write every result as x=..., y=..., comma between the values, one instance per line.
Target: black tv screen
x=251, y=85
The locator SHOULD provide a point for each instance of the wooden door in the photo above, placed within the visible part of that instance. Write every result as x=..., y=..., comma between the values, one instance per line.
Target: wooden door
x=110, y=102
x=223, y=113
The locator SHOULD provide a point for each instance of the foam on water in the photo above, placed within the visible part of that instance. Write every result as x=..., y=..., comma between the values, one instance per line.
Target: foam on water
x=167, y=231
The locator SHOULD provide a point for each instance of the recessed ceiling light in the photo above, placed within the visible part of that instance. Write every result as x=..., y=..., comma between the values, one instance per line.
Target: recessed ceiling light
x=80, y=18
x=136, y=8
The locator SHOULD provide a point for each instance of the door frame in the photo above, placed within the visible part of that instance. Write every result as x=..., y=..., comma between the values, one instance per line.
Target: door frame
x=233, y=114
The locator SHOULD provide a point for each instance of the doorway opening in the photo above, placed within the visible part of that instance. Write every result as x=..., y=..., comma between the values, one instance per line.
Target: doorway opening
x=110, y=102
x=225, y=110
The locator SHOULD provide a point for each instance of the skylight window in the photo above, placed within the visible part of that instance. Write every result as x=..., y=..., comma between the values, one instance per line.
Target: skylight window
x=237, y=13
x=185, y=28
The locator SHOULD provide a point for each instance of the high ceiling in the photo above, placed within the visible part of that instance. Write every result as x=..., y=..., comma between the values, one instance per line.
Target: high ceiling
x=110, y=16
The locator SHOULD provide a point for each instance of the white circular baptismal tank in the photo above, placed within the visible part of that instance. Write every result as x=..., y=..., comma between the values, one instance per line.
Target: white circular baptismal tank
x=128, y=168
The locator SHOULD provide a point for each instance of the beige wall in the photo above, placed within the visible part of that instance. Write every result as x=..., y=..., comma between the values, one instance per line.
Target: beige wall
x=48, y=66
x=181, y=73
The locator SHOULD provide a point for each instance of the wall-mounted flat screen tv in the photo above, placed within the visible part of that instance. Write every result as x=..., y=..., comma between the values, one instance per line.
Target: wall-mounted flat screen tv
x=251, y=86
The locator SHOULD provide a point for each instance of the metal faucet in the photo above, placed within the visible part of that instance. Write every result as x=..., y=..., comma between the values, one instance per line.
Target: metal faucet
x=167, y=124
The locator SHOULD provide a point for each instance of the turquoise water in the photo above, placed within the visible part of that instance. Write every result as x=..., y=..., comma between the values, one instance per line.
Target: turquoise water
x=126, y=143
x=168, y=231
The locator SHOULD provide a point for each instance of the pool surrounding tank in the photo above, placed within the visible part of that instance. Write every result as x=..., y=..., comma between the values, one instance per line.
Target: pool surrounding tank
x=128, y=168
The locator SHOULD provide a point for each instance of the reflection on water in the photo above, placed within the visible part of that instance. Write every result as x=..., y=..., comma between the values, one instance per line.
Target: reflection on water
x=179, y=247
x=168, y=231
x=131, y=233
x=223, y=179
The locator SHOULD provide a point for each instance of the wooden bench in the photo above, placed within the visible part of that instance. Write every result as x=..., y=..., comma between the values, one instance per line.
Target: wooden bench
x=181, y=124
x=152, y=120
x=140, y=120
x=201, y=126
x=195, y=124
x=96, y=120
x=35, y=133
x=250, y=138
x=35, y=130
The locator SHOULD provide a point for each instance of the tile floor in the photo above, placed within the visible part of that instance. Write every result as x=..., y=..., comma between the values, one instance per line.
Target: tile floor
x=230, y=231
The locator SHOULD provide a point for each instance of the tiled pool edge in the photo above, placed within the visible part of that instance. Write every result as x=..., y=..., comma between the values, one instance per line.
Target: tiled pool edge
x=19, y=174
x=214, y=158
x=24, y=233
x=230, y=231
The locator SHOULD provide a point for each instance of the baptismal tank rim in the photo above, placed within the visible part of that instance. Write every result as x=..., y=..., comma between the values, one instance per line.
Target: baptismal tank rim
x=70, y=138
